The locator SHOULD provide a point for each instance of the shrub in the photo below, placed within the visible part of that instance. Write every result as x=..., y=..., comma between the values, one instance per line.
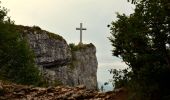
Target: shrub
x=16, y=58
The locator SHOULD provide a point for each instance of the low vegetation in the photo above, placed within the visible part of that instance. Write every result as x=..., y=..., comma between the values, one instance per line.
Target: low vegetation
x=74, y=48
x=79, y=46
x=55, y=36
x=37, y=30
x=16, y=58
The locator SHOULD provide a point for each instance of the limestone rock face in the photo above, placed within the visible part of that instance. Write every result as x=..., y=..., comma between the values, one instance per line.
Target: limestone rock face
x=84, y=63
x=58, y=63
x=50, y=49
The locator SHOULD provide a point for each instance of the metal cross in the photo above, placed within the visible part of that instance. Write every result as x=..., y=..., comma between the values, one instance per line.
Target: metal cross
x=81, y=29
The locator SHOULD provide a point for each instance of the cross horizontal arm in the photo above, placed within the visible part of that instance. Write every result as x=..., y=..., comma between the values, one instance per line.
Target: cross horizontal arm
x=81, y=29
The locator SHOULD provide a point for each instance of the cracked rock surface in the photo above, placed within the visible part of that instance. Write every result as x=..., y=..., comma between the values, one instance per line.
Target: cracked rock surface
x=57, y=62
x=21, y=92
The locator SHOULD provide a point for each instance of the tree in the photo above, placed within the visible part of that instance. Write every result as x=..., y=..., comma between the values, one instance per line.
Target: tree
x=133, y=1
x=142, y=40
x=16, y=58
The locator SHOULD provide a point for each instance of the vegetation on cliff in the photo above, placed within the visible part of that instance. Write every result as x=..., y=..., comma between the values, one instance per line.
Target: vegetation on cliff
x=142, y=40
x=16, y=58
x=37, y=30
x=79, y=46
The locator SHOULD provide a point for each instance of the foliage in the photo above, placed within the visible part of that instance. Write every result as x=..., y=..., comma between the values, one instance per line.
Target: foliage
x=55, y=36
x=120, y=77
x=74, y=48
x=51, y=35
x=38, y=30
x=142, y=40
x=73, y=60
x=79, y=46
x=134, y=1
x=16, y=58
x=57, y=83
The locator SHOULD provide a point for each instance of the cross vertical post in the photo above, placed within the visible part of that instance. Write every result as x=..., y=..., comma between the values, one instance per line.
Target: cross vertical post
x=81, y=30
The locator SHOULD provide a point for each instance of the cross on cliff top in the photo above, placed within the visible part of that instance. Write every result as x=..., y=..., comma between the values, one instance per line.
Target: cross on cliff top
x=81, y=29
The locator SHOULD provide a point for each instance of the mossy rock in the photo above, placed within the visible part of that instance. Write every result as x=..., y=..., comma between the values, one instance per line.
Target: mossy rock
x=37, y=30
x=54, y=36
x=80, y=46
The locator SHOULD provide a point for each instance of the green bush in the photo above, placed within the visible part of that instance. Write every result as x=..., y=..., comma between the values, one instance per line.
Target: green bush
x=142, y=40
x=16, y=58
x=79, y=46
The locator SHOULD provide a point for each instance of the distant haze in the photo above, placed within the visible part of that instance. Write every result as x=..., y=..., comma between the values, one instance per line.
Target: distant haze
x=63, y=16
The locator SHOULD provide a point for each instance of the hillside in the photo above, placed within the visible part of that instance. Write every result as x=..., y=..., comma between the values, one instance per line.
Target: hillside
x=21, y=92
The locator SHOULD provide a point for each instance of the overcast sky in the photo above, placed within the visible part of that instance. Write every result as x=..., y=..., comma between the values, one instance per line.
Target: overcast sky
x=63, y=16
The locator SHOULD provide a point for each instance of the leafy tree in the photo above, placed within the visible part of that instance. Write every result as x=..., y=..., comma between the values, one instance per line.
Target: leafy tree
x=16, y=58
x=142, y=40
x=133, y=1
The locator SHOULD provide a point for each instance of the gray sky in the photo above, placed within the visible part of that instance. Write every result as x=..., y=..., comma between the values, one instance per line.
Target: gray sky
x=63, y=16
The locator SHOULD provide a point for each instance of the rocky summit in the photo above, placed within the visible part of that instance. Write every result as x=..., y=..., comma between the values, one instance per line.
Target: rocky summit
x=21, y=92
x=58, y=62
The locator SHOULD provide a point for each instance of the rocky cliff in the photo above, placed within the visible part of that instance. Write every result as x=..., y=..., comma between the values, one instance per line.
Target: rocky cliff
x=84, y=65
x=58, y=62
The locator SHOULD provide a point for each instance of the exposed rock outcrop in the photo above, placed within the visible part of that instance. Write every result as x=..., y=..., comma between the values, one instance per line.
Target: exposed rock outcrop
x=84, y=63
x=59, y=63
x=21, y=92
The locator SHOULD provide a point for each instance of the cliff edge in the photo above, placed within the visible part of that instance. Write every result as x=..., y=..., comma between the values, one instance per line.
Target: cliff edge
x=59, y=63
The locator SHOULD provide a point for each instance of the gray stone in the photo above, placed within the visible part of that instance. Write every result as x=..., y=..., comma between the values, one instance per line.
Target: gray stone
x=56, y=61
